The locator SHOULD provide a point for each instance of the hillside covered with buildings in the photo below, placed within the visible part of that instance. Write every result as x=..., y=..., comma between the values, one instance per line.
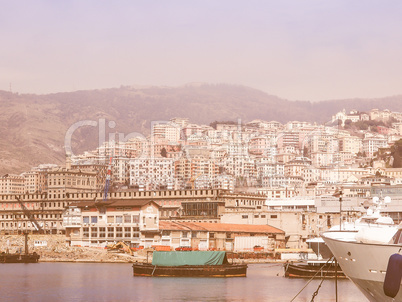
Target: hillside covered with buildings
x=33, y=127
x=205, y=185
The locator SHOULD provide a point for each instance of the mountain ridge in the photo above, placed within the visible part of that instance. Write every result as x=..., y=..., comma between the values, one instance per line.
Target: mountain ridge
x=33, y=126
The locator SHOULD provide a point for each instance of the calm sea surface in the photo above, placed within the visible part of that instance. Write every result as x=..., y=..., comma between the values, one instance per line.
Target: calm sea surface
x=115, y=282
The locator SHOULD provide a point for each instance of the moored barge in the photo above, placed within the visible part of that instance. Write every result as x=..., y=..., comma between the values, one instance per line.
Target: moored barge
x=19, y=258
x=26, y=257
x=310, y=269
x=190, y=264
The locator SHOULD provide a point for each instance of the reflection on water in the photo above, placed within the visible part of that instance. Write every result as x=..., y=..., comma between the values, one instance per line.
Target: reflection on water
x=114, y=282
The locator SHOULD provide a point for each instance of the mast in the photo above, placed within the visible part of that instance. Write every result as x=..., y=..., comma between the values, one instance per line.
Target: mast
x=26, y=242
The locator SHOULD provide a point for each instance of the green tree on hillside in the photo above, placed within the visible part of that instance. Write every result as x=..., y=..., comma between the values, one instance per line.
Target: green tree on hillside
x=396, y=152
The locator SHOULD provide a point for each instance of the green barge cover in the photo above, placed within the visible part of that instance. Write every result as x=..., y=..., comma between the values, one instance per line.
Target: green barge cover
x=181, y=258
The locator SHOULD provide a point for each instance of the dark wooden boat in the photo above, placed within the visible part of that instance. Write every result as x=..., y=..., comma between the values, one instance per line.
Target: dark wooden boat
x=190, y=264
x=19, y=258
x=316, y=269
x=26, y=257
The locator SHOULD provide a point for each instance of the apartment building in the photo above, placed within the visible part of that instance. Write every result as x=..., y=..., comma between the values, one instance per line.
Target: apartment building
x=12, y=184
x=169, y=131
x=99, y=223
x=350, y=144
x=35, y=182
x=371, y=144
x=154, y=172
x=296, y=166
x=63, y=181
x=99, y=168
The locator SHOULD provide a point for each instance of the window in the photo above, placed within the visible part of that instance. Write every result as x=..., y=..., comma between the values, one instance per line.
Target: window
x=119, y=232
x=136, y=233
x=94, y=232
x=127, y=232
x=110, y=219
x=244, y=216
x=184, y=234
x=211, y=235
x=94, y=219
x=263, y=216
x=119, y=219
x=127, y=219
x=256, y=216
x=136, y=218
x=228, y=235
x=102, y=232
x=274, y=216
x=110, y=232
x=85, y=232
x=85, y=219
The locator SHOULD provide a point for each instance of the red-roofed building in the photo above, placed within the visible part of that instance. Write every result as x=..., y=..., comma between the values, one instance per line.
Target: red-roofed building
x=220, y=236
x=136, y=222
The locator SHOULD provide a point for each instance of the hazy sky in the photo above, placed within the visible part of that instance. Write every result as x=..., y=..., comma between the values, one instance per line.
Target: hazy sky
x=299, y=50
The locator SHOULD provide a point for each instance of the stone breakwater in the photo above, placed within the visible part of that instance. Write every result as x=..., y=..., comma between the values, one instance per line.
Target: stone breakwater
x=57, y=250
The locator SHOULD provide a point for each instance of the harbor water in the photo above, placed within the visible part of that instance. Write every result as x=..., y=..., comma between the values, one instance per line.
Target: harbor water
x=115, y=282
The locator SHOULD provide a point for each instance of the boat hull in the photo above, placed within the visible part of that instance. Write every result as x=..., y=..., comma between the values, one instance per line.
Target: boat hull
x=306, y=270
x=227, y=270
x=365, y=264
x=19, y=258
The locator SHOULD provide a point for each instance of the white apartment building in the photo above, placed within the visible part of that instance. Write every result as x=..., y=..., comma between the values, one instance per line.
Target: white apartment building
x=322, y=142
x=155, y=171
x=350, y=144
x=268, y=169
x=100, y=223
x=288, y=138
x=371, y=143
x=322, y=159
x=169, y=131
